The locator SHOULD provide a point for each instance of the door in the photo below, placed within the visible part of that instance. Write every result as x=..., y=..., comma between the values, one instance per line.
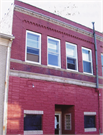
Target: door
x=58, y=123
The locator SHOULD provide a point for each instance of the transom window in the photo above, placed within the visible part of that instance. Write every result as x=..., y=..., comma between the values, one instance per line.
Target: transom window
x=53, y=52
x=87, y=60
x=33, y=47
x=102, y=63
x=71, y=56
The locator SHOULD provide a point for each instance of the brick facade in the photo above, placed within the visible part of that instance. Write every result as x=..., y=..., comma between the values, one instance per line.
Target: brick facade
x=50, y=89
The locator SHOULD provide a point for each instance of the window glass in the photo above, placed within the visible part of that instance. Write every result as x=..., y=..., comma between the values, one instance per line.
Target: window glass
x=53, y=52
x=102, y=62
x=86, y=55
x=32, y=122
x=53, y=46
x=87, y=60
x=33, y=47
x=32, y=40
x=71, y=53
x=68, y=122
x=102, y=59
x=89, y=122
x=71, y=50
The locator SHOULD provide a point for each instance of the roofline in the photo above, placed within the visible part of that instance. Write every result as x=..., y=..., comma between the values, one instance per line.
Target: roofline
x=97, y=32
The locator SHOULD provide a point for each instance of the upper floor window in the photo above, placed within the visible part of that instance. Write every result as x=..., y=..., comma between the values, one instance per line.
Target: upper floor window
x=102, y=62
x=53, y=52
x=33, y=47
x=71, y=56
x=87, y=60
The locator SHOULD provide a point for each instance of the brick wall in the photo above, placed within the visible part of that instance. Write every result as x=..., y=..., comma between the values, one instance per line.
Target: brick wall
x=44, y=96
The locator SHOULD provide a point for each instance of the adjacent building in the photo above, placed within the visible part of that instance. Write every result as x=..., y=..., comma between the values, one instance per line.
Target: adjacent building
x=52, y=80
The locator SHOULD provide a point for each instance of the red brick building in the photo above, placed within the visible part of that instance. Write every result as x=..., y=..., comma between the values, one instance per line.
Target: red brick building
x=52, y=82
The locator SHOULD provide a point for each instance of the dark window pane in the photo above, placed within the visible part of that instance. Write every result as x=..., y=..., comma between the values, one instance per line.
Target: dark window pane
x=32, y=50
x=53, y=59
x=34, y=58
x=87, y=67
x=33, y=122
x=89, y=121
x=71, y=63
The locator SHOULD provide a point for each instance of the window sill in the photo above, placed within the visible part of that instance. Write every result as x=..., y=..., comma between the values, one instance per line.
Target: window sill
x=27, y=61
x=90, y=129
x=53, y=66
x=72, y=70
x=88, y=73
x=33, y=132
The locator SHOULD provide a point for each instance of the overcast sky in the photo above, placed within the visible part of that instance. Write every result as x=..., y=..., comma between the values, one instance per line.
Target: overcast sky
x=81, y=11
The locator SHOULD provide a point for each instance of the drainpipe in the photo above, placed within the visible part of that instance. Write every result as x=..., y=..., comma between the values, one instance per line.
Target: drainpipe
x=6, y=87
x=97, y=85
x=96, y=57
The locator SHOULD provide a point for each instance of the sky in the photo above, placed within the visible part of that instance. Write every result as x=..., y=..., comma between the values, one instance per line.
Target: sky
x=81, y=11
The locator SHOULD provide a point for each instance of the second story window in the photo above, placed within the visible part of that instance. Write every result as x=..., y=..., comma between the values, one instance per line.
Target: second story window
x=33, y=47
x=87, y=60
x=53, y=52
x=102, y=63
x=71, y=56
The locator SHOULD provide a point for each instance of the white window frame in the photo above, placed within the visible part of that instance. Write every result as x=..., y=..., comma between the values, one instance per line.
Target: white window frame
x=101, y=62
x=90, y=129
x=72, y=57
x=27, y=31
x=70, y=121
x=32, y=132
x=88, y=61
x=59, y=61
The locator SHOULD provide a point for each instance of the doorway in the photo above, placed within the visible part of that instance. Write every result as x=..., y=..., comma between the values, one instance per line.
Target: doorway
x=58, y=123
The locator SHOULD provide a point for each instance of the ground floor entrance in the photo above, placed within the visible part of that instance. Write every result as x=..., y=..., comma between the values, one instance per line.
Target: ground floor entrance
x=64, y=119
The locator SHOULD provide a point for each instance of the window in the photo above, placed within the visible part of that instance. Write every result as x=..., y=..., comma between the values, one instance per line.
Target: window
x=71, y=56
x=68, y=121
x=89, y=121
x=102, y=63
x=33, y=122
x=53, y=52
x=33, y=47
x=87, y=60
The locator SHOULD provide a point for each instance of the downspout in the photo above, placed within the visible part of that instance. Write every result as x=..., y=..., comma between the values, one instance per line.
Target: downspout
x=97, y=85
x=6, y=87
x=96, y=56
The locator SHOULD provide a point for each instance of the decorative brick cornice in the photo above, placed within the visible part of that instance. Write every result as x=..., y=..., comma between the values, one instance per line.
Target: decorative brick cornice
x=56, y=30
x=55, y=21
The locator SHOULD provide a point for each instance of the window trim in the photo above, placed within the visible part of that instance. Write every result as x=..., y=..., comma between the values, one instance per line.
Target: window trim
x=70, y=122
x=28, y=31
x=30, y=132
x=87, y=61
x=48, y=37
x=90, y=129
x=71, y=57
